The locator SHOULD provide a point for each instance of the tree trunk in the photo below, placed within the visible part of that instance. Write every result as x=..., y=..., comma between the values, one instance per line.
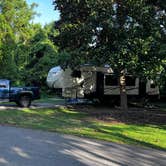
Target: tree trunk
x=123, y=93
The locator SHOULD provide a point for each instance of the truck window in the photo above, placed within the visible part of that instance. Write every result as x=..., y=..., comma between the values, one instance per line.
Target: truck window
x=130, y=81
x=2, y=86
x=111, y=80
x=152, y=86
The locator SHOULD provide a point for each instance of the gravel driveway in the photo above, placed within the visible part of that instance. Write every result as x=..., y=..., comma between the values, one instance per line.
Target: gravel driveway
x=11, y=106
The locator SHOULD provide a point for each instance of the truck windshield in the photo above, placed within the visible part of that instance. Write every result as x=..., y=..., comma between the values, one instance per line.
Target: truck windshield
x=4, y=84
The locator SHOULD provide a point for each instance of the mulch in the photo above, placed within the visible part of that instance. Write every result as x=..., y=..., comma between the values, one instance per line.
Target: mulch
x=134, y=115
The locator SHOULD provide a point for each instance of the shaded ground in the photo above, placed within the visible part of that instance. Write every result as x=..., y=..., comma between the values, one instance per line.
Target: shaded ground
x=133, y=115
x=24, y=147
x=103, y=123
x=113, y=115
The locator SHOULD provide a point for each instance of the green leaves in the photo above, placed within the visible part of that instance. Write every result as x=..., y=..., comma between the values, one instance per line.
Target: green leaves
x=42, y=56
x=15, y=31
x=126, y=34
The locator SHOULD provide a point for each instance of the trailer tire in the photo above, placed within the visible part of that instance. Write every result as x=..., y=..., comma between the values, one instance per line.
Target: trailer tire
x=24, y=101
x=17, y=102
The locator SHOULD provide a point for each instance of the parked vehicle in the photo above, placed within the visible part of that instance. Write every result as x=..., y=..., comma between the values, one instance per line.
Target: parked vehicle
x=98, y=83
x=21, y=95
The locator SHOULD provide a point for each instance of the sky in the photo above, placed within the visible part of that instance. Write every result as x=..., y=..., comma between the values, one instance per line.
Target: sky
x=46, y=11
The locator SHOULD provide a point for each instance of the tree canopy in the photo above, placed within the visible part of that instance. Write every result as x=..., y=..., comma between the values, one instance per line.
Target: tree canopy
x=27, y=51
x=15, y=30
x=125, y=34
x=42, y=56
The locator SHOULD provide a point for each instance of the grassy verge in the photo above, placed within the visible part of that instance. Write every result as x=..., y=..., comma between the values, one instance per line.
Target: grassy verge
x=68, y=121
x=50, y=100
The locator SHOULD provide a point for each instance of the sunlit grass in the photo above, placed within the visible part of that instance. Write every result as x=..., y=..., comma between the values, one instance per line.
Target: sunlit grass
x=68, y=121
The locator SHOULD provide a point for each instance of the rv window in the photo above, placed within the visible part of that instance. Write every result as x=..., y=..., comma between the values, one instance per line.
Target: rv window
x=76, y=74
x=130, y=81
x=152, y=86
x=111, y=80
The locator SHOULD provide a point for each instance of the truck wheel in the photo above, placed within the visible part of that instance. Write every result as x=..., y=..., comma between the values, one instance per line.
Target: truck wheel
x=25, y=101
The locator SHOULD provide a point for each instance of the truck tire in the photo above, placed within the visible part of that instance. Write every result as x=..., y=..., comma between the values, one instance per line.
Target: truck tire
x=24, y=101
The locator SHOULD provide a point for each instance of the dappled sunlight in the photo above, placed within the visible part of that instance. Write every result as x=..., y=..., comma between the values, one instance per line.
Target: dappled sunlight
x=71, y=111
x=87, y=157
x=123, y=134
x=9, y=107
x=20, y=152
x=51, y=111
x=31, y=147
x=29, y=111
x=40, y=112
x=72, y=121
x=48, y=112
x=111, y=154
x=3, y=161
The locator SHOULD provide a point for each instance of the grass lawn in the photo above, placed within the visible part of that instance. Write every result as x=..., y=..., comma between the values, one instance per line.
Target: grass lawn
x=50, y=100
x=70, y=121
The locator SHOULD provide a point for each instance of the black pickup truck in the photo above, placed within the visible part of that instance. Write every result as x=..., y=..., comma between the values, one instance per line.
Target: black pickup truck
x=21, y=95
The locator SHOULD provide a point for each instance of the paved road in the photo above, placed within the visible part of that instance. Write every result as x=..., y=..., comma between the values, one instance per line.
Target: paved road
x=24, y=147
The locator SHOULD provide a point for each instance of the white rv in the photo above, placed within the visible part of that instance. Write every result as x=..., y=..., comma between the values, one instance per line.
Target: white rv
x=96, y=82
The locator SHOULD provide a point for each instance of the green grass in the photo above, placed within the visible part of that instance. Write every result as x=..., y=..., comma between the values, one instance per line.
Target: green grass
x=50, y=100
x=67, y=121
x=161, y=105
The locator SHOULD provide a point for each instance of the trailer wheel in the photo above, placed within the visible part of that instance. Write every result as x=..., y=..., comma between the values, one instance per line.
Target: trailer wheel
x=24, y=101
x=17, y=102
x=111, y=101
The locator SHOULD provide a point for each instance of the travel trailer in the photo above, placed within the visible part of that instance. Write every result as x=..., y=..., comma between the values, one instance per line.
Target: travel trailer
x=92, y=82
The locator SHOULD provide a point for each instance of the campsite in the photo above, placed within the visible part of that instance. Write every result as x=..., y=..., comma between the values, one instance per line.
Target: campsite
x=82, y=82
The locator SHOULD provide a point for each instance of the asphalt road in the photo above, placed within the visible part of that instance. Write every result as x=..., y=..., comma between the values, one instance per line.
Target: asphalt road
x=25, y=147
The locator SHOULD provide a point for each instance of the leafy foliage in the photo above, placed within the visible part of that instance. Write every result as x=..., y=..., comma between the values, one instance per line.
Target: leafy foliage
x=15, y=30
x=126, y=34
x=26, y=49
x=42, y=56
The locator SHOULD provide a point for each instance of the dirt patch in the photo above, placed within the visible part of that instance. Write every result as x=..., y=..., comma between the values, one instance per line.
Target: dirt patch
x=133, y=115
x=107, y=114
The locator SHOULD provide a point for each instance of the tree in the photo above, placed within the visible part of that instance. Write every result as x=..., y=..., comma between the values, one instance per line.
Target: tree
x=42, y=57
x=123, y=33
x=26, y=49
x=15, y=31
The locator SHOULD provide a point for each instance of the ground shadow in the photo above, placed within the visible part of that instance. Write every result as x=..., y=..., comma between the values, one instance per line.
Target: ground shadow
x=134, y=115
x=37, y=148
